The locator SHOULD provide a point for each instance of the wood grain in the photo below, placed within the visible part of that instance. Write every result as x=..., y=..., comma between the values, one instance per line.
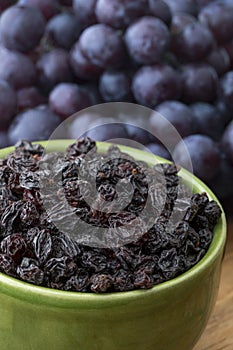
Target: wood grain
x=219, y=331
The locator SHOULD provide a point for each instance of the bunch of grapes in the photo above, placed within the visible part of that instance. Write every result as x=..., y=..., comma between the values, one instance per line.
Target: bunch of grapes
x=58, y=57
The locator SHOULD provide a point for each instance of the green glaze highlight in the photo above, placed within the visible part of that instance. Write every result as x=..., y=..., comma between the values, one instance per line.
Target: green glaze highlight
x=170, y=316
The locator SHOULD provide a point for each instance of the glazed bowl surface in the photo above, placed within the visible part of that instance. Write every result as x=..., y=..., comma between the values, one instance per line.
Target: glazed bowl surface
x=169, y=316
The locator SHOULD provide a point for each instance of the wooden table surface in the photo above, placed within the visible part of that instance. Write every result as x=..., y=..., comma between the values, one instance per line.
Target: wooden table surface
x=219, y=331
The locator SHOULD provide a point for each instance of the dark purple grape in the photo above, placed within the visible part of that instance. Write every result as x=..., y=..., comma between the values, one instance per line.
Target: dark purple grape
x=194, y=43
x=21, y=28
x=5, y=4
x=138, y=134
x=108, y=131
x=221, y=184
x=227, y=142
x=29, y=97
x=4, y=141
x=63, y=30
x=158, y=150
x=200, y=83
x=115, y=86
x=176, y=113
x=219, y=60
x=180, y=21
x=103, y=46
x=85, y=11
x=48, y=8
x=229, y=48
x=147, y=39
x=226, y=115
x=119, y=13
x=226, y=89
x=226, y=2
x=81, y=124
x=33, y=124
x=203, y=3
x=186, y=6
x=8, y=104
x=208, y=120
x=155, y=84
x=17, y=69
x=81, y=65
x=54, y=68
x=67, y=98
x=161, y=10
x=93, y=88
x=204, y=154
x=219, y=18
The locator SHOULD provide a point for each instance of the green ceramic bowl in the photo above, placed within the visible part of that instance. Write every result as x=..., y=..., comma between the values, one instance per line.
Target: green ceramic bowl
x=170, y=316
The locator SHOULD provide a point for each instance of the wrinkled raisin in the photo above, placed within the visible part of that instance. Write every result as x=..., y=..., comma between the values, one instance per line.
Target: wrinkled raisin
x=107, y=191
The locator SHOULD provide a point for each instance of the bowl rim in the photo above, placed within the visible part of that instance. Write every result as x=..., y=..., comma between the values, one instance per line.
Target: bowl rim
x=67, y=299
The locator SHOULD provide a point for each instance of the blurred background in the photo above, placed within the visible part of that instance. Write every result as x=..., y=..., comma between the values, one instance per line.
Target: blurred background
x=59, y=57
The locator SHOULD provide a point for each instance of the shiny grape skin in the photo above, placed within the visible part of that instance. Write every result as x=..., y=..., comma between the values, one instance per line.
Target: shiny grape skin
x=63, y=30
x=115, y=86
x=158, y=150
x=147, y=39
x=103, y=46
x=139, y=134
x=119, y=13
x=54, y=68
x=226, y=89
x=200, y=83
x=29, y=97
x=204, y=154
x=208, y=120
x=180, y=21
x=21, y=28
x=8, y=104
x=67, y=98
x=81, y=65
x=155, y=84
x=48, y=8
x=33, y=124
x=17, y=69
x=187, y=6
x=219, y=59
x=85, y=11
x=105, y=132
x=161, y=10
x=219, y=18
x=211, y=115
x=93, y=89
x=227, y=142
x=194, y=43
x=203, y=3
x=81, y=123
x=178, y=114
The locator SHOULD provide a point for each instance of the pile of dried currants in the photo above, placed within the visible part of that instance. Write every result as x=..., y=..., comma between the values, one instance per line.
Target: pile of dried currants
x=35, y=249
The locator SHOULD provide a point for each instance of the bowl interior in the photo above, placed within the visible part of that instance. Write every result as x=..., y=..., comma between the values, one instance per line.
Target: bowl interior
x=33, y=293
